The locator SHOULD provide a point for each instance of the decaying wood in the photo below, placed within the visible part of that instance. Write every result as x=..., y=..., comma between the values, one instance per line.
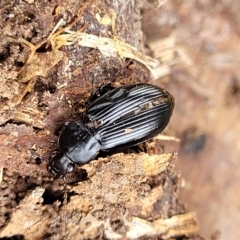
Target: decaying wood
x=121, y=196
x=121, y=199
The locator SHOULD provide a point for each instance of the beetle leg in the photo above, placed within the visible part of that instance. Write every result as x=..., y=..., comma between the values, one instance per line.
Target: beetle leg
x=67, y=123
x=64, y=179
x=100, y=91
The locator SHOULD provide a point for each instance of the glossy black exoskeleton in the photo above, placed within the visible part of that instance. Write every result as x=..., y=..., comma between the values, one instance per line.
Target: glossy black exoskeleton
x=118, y=118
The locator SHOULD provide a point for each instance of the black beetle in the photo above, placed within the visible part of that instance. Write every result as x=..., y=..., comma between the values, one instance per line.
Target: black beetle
x=118, y=118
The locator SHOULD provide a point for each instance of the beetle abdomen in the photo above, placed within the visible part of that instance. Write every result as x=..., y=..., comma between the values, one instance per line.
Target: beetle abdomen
x=130, y=99
x=133, y=130
x=141, y=114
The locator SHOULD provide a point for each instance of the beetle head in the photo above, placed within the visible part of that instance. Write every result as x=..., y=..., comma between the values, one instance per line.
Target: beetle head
x=59, y=164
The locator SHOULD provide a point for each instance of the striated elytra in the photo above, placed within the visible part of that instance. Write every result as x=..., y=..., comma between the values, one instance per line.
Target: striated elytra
x=118, y=118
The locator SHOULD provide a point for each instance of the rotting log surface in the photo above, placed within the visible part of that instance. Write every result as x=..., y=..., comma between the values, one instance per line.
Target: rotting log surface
x=116, y=193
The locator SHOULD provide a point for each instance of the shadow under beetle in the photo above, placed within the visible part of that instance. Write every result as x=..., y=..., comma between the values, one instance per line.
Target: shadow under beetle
x=118, y=118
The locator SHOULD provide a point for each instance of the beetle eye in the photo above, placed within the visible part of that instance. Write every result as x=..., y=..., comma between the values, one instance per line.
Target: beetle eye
x=70, y=167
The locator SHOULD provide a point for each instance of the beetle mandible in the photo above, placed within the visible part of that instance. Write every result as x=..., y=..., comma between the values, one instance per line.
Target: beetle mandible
x=118, y=118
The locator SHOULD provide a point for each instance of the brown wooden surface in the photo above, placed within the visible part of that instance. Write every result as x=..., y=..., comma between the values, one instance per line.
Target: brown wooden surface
x=126, y=195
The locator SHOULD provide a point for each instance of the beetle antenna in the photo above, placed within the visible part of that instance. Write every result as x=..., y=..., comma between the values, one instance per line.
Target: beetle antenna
x=128, y=61
x=114, y=77
x=65, y=195
x=63, y=215
x=65, y=180
x=54, y=175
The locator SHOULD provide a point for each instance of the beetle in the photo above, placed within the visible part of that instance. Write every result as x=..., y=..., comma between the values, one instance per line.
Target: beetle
x=118, y=118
